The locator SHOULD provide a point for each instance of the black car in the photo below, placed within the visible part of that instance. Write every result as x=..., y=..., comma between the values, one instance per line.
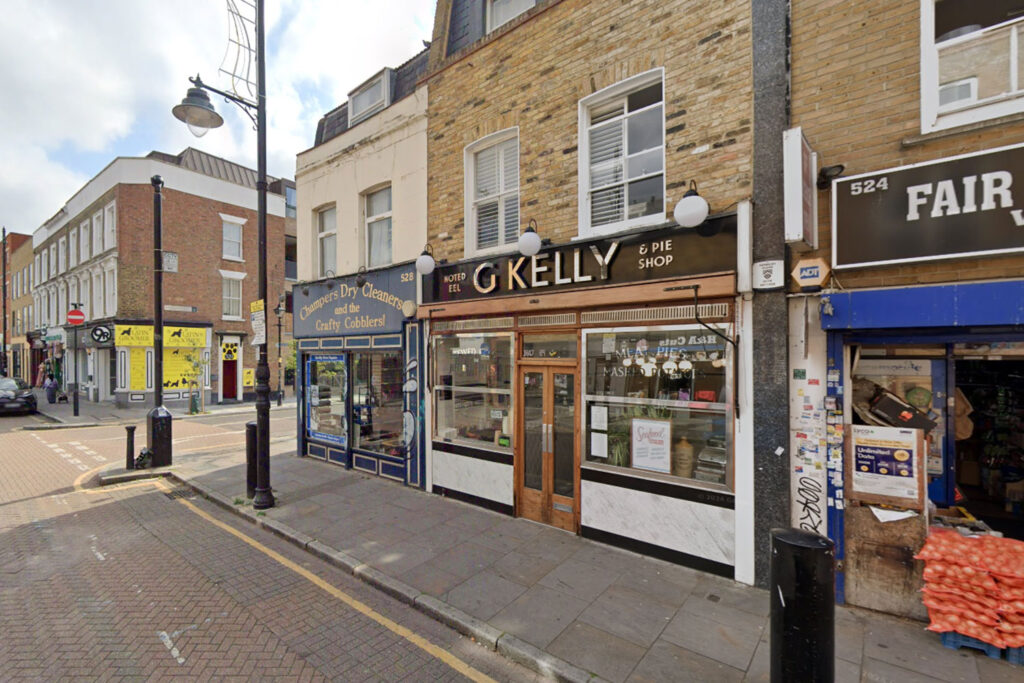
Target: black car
x=16, y=396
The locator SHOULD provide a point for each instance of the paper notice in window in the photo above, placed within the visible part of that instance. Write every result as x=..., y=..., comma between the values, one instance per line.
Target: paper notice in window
x=607, y=343
x=598, y=445
x=599, y=418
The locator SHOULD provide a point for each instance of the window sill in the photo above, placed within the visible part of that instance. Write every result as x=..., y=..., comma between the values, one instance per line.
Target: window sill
x=647, y=222
x=923, y=138
x=232, y=318
x=234, y=259
x=502, y=250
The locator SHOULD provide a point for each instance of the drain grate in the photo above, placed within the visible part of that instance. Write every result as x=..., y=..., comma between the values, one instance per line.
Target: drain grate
x=180, y=493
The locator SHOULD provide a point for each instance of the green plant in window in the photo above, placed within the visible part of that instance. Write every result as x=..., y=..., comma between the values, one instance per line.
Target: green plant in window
x=620, y=428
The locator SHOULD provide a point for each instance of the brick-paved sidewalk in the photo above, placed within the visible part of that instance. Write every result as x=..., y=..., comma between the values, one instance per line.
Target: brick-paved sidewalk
x=547, y=594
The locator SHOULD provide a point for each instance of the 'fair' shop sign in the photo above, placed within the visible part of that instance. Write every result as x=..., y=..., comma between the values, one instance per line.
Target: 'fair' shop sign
x=960, y=206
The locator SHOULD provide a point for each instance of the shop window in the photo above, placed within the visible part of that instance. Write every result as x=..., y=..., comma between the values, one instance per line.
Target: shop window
x=501, y=12
x=378, y=228
x=327, y=395
x=492, y=193
x=473, y=389
x=657, y=401
x=377, y=402
x=622, y=156
x=971, y=61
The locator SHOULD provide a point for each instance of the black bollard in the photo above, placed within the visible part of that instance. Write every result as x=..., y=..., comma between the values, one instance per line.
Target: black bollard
x=158, y=436
x=250, y=459
x=803, y=605
x=129, y=457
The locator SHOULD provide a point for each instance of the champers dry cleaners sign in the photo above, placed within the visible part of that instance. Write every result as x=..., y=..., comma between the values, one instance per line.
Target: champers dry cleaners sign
x=345, y=306
x=960, y=206
x=640, y=257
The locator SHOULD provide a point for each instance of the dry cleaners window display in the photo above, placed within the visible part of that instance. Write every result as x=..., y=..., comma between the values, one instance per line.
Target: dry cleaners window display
x=327, y=393
x=658, y=400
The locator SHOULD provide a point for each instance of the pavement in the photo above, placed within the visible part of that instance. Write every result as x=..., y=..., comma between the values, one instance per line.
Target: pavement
x=92, y=413
x=566, y=607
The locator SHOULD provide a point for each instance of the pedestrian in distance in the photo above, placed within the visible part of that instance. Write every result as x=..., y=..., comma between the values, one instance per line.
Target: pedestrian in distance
x=51, y=388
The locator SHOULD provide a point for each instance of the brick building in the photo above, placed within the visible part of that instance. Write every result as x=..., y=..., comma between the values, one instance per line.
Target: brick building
x=96, y=253
x=918, y=107
x=598, y=385
x=17, y=286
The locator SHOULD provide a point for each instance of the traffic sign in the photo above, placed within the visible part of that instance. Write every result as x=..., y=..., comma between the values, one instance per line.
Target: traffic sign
x=75, y=317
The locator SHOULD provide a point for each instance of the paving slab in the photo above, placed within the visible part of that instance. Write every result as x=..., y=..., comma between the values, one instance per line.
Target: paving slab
x=608, y=656
x=539, y=615
x=728, y=643
x=633, y=616
x=668, y=662
x=485, y=594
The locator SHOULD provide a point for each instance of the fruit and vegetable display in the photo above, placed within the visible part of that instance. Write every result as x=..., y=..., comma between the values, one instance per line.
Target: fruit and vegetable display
x=974, y=586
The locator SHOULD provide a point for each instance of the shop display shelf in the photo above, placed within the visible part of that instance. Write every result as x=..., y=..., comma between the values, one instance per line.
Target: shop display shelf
x=955, y=641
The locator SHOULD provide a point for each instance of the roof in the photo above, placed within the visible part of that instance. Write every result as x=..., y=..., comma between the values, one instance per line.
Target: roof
x=335, y=122
x=210, y=165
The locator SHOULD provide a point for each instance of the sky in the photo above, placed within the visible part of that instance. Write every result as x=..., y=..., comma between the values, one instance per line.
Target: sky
x=85, y=81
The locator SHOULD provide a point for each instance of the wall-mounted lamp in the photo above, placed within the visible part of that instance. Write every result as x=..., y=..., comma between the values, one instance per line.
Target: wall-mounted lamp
x=361, y=276
x=425, y=262
x=692, y=209
x=529, y=240
x=827, y=173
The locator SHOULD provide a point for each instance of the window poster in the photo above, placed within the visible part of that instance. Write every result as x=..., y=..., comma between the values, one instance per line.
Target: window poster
x=652, y=445
x=886, y=464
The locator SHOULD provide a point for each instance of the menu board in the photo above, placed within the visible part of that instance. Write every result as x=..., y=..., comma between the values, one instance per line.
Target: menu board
x=885, y=465
x=652, y=445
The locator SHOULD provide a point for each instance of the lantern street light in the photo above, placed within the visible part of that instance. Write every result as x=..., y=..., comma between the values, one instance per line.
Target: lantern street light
x=198, y=113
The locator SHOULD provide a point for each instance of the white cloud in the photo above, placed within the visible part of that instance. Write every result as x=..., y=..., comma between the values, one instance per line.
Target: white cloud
x=85, y=82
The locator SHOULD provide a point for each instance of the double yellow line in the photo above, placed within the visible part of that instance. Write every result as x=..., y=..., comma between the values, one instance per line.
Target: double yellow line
x=419, y=641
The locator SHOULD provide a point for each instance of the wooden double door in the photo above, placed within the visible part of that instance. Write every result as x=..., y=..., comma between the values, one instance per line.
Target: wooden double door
x=547, y=467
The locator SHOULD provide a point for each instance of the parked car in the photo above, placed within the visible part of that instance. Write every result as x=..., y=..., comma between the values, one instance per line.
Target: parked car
x=16, y=396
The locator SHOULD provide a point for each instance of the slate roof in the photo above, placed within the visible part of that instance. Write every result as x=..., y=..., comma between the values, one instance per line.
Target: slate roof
x=335, y=122
x=215, y=167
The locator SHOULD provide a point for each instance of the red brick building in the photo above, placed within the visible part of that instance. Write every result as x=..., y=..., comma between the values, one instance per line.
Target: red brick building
x=96, y=254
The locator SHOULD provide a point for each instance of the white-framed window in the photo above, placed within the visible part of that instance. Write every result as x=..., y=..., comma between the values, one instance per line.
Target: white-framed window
x=622, y=156
x=62, y=303
x=111, y=292
x=52, y=262
x=370, y=97
x=502, y=11
x=231, y=294
x=62, y=255
x=84, y=283
x=327, y=241
x=97, y=233
x=110, y=225
x=38, y=266
x=492, y=192
x=378, y=227
x=971, y=59
x=231, y=240
x=83, y=236
x=97, y=295
x=73, y=247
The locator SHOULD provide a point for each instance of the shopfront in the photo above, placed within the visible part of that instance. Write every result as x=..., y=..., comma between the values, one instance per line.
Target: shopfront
x=123, y=360
x=941, y=362
x=360, y=373
x=592, y=387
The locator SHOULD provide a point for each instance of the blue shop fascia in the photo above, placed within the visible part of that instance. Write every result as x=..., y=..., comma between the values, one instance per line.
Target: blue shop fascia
x=360, y=396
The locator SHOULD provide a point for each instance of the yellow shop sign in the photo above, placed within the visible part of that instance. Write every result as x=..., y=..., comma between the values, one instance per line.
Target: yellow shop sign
x=133, y=335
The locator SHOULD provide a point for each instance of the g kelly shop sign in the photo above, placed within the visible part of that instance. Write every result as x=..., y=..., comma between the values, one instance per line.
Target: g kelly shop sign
x=640, y=257
x=341, y=306
x=968, y=205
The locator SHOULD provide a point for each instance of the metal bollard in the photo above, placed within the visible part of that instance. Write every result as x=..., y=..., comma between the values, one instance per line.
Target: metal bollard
x=129, y=457
x=250, y=459
x=803, y=605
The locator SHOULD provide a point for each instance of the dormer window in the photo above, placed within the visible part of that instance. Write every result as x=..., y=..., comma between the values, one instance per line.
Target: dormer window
x=370, y=97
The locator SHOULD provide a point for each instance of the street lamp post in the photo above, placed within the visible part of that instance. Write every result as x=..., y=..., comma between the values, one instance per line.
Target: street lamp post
x=3, y=363
x=198, y=113
x=280, y=311
x=74, y=394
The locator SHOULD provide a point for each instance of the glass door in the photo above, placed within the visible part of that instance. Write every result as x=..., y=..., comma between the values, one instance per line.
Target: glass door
x=546, y=466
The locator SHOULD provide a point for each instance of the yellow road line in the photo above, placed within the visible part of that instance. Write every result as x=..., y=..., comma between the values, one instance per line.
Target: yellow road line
x=85, y=475
x=414, y=638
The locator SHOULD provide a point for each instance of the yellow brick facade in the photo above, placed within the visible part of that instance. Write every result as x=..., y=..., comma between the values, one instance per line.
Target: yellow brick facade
x=856, y=92
x=532, y=72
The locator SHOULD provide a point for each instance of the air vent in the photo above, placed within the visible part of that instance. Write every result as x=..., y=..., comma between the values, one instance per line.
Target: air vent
x=475, y=324
x=663, y=314
x=547, y=320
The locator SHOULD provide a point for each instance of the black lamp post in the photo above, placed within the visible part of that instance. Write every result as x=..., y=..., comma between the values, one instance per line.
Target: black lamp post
x=197, y=111
x=280, y=311
x=158, y=420
x=3, y=363
x=74, y=393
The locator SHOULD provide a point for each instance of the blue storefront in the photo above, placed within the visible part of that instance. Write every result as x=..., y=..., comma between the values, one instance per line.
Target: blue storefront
x=359, y=373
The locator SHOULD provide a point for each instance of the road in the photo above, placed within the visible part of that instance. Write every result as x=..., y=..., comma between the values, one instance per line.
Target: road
x=146, y=581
